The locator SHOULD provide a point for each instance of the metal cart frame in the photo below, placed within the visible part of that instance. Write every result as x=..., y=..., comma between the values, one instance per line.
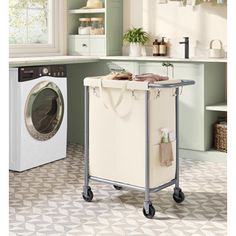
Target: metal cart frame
x=148, y=209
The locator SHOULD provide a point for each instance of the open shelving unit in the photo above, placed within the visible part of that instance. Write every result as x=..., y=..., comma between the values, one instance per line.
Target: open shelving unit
x=87, y=11
x=219, y=107
x=108, y=44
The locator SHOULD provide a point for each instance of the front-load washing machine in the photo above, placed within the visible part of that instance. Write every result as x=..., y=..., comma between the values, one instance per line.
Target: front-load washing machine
x=38, y=116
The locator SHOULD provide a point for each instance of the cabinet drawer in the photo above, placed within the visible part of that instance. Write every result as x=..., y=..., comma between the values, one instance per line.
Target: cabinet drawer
x=97, y=46
x=87, y=45
x=83, y=45
x=78, y=45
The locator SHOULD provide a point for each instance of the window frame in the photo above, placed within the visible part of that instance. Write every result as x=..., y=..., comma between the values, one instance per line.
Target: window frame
x=57, y=45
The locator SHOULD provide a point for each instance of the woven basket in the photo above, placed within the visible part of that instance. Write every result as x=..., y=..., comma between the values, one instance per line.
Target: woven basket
x=220, y=137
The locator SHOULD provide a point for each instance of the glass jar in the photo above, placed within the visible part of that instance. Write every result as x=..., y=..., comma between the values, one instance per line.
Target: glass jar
x=97, y=26
x=84, y=26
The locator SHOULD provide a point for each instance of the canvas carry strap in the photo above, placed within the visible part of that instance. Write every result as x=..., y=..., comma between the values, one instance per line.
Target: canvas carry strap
x=112, y=104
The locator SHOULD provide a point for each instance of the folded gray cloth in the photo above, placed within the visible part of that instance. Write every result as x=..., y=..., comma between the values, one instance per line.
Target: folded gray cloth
x=150, y=77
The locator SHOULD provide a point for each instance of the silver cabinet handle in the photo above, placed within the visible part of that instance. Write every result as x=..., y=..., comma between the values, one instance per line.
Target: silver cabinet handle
x=167, y=64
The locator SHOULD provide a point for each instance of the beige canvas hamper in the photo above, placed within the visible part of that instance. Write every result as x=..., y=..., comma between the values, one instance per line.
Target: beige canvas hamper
x=117, y=131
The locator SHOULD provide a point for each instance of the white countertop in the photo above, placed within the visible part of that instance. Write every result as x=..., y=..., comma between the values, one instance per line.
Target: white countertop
x=33, y=61
x=152, y=58
x=52, y=60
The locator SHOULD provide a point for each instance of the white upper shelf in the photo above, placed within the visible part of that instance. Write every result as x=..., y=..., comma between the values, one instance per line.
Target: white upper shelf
x=87, y=11
x=218, y=107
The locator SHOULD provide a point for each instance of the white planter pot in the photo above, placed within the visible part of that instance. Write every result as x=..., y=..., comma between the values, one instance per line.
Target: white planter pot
x=134, y=50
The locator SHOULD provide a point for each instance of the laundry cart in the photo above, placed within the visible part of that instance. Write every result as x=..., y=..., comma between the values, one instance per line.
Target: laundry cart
x=125, y=125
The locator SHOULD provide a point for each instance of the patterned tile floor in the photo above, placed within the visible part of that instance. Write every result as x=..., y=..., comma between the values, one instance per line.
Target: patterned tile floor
x=47, y=201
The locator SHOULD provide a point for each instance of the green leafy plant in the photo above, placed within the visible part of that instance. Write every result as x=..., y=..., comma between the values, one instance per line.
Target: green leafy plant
x=136, y=35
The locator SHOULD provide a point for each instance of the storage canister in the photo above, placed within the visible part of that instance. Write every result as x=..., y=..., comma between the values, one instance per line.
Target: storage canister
x=97, y=26
x=84, y=26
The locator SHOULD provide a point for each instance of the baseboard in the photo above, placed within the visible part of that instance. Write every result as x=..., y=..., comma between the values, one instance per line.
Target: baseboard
x=211, y=155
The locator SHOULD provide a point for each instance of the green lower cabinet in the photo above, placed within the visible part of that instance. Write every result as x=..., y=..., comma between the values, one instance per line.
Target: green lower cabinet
x=192, y=107
x=196, y=124
x=132, y=67
x=150, y=67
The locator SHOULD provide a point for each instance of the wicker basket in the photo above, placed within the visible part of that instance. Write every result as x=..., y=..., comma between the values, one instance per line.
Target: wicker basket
x=220, y=136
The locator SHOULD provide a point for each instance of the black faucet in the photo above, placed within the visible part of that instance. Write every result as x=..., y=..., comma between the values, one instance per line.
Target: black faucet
x=186, y=47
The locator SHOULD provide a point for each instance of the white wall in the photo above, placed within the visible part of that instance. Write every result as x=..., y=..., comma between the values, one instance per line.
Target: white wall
x=201, y=23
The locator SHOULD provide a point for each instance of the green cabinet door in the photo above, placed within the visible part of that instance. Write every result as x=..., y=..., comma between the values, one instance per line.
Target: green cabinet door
x=153, y=67
x=192, y=109
x=191, y=101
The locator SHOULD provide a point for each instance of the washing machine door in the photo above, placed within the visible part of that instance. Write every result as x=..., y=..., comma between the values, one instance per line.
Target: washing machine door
x=44, y=110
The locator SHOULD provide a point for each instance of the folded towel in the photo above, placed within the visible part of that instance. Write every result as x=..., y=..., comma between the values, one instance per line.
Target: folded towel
x=150, y=77
x=121, y=75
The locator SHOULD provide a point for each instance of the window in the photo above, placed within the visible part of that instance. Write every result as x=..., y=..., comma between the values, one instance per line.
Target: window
x=36, y=27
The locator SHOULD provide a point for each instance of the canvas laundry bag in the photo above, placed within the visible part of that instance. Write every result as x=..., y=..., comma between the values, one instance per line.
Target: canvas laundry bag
x=117, y=131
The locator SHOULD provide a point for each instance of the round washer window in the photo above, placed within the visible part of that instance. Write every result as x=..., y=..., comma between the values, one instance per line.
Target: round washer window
x=44, y=110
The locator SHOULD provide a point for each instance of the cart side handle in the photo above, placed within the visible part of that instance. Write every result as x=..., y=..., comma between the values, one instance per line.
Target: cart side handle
x=171, y=85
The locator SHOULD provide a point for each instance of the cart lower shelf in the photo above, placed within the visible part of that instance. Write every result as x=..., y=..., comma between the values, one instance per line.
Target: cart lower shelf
x=148, y=208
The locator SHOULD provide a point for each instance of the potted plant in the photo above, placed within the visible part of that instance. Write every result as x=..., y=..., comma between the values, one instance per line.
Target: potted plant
x=136, y=37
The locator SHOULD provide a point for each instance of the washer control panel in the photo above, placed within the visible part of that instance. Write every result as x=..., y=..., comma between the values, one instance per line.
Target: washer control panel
x=34, y=72
x=45, y=71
